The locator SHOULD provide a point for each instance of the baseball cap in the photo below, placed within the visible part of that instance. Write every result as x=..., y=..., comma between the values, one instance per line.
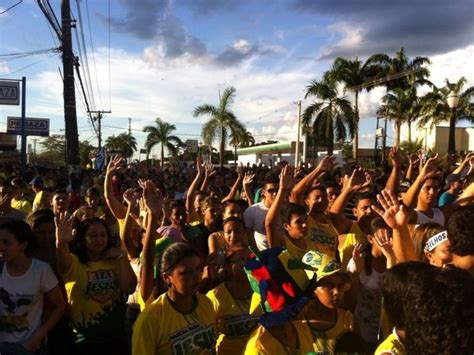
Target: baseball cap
x=37, y=181
x=324, y=265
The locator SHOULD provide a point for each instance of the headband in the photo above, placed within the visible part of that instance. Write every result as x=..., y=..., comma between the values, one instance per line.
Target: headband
x=435, y=240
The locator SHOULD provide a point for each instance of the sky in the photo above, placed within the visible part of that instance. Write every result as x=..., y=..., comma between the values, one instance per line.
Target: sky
x=163, y=58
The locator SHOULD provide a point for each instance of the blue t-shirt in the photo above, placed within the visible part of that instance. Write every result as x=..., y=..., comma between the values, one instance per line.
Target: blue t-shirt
x=446, y=199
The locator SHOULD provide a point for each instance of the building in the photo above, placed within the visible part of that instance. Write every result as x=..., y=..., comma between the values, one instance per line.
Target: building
x=436, y=138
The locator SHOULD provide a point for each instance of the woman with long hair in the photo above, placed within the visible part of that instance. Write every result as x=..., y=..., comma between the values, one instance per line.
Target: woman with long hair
x=97, y=276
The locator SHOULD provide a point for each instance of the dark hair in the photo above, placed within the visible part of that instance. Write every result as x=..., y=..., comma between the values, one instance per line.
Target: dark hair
x=363, y=196
x=79, y=242
x=290, y=210
x=421, y=235
x=271, y=178
x=59, y=191
x=173, y=255
x=233, y=219
x=439, y=319
x=399, y=283
x=460, y=232
x=93, y=191
x=39, y=217
x=22, y=233
x=378, y=223
x=177, y=204
x=321, y=188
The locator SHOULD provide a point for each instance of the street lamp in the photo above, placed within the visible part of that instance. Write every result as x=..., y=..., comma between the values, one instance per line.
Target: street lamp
x=453, y=100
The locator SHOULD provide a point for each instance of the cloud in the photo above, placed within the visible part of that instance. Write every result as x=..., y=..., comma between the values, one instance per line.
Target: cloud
x=206, y=7
x=424, y=27
x=242, y=50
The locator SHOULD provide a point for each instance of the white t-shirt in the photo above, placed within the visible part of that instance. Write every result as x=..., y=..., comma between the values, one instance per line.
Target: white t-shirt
x=254, y=218
x=21, y=301
x=438, y=217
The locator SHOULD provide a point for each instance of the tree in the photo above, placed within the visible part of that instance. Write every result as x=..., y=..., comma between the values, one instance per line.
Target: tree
x=222, y=121
x=333, y=115
x=401, y=72
x=356, y=76
x=435, y=106
x=53, y=149
x=241, y=139
x=161, y=133
x=124, y=143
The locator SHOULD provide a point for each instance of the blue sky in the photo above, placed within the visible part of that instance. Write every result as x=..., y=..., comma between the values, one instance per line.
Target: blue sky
x=167, y=57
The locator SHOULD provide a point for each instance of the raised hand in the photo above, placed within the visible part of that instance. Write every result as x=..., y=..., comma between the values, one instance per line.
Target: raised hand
x=209, y=170
x=199, y=166
x=115, y=164
x=429, y=168
x=383, y=241
x=63, y=224
x=248, y=178
x=130, y=198
x=286, y=177
x=395, y=215
x=152, y=198
x=396, y=158
x=413, y=159
x=327, y=164
x=358, y=257
x=357, y=179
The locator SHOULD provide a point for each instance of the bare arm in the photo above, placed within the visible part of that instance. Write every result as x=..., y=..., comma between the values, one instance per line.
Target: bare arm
x=235, y=187
x=153, y=204
x=55, y=299
x=302, y=187
x=194, y=184
x=274, y=238
x=246, y=182
x=125, y=233
x=63, y=236
x=393, y=181
x=463, y=164
x=116, y=207
x=209, y=171
x=340, y=222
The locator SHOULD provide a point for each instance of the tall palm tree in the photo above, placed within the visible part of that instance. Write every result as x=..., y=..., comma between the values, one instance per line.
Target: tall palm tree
x=333, y=115
x=124, y=143
x=222, y=121
x=401, y=106
x=401, y=71
x=436, y=109
x=240, y=139
x=357, y=76
x=161, y=133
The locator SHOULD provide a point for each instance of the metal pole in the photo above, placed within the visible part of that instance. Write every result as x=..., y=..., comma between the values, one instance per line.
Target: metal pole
x=70, y=116
x=384, y=139
x=23, y=126
x=452, y=132
x=297, y=150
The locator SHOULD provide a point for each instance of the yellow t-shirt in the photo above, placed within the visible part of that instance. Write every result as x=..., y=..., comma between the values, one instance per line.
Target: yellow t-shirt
x=37, y=203
x=323, y=236
x=96, y=302
x=350, y=239
x=325, y=341
x=233, y=320
x=22, y=205
x=295, y=251
x=391, y=345
x=161, y=329
x=262, y=342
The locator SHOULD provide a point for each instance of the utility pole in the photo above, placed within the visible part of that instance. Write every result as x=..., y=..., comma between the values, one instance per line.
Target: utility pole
x=99, y=124
x=34, y=148
x=297, y=150
x=129, y=126
x=70, y=117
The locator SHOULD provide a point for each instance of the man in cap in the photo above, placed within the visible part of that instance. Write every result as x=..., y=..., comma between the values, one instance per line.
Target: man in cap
x=453, y=182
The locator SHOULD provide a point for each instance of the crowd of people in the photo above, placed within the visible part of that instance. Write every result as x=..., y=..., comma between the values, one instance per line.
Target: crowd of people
x=196, y=259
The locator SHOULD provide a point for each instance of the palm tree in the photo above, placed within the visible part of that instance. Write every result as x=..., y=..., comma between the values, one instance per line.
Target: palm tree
x=240, y=139
x=161, y=133
x=437, y=110
x=401, y=72
x=222, y=120
x=401, y=106
x=332, y=114
x=124, y=143
x=356, y=76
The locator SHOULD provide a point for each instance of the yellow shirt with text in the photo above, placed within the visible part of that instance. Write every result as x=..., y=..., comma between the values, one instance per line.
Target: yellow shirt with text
x=96, y=302
x=161, y=329
x=323, y=236
x=234, y=323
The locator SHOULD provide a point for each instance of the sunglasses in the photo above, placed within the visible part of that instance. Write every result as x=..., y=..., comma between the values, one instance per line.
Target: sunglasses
x=272, y=191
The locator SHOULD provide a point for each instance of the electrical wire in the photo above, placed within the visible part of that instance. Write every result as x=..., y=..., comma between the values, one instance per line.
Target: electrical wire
x=18, y=55
x=93, y=54
x=268, y=114
x=29, y=65
x=11, y=7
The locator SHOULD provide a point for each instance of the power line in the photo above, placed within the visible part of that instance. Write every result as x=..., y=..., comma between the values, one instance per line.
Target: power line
x=51, y=18
x=93, y=54
x=11, y=7
x=268, y=114
x=18, y=55
x=29, y=65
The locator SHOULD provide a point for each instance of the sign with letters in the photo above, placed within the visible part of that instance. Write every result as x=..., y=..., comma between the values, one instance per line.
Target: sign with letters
x=33, y=126
x=9, y=93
